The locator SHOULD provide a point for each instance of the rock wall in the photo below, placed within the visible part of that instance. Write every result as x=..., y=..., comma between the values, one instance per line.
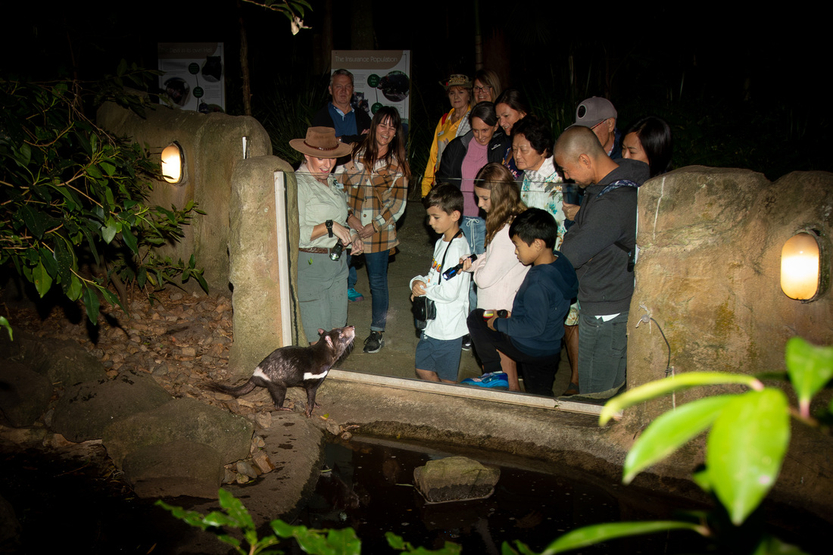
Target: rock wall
x=253, y=248
x=709, y=273
x=212, y=146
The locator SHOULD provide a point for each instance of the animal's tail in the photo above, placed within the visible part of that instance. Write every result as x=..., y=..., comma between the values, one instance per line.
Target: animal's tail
x=247, y=387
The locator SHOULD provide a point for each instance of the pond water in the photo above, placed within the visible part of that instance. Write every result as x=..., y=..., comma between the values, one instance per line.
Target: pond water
x=369, y=489
x=63, y=505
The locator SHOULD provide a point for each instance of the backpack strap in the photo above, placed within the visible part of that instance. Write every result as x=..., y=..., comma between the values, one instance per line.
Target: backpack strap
x=631, y=251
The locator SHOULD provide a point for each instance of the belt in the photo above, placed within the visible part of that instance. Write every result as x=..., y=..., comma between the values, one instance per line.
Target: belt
x=316, y=250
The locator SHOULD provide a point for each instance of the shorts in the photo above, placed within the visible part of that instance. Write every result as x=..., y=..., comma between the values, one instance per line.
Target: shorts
x=439, y=355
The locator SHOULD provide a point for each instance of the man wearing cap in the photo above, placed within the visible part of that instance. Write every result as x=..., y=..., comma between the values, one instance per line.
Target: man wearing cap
x=599, y=115
x=600, y=247
x=350, y=124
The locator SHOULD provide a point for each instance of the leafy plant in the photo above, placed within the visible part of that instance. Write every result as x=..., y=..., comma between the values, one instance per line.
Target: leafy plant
x=315, y=542
x=72, y=196
x=745, y=447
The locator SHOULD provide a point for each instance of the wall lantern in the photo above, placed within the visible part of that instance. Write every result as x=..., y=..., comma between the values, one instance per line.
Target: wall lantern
x=173, y=160
x=800, y=266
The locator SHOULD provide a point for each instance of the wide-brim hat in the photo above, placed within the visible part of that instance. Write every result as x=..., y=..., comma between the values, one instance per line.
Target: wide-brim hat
x=594, y=110
x=457, y=80
x=321, y=142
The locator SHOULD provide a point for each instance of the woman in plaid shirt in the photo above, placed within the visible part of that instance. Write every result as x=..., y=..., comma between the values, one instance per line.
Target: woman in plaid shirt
x=376, y=183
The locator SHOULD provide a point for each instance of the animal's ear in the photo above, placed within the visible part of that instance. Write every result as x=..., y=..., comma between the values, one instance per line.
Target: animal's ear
x=321, y=332
x=329, y=340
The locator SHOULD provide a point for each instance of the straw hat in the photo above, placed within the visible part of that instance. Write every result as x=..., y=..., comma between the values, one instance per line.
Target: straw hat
x=457, y=80
x=321, y=142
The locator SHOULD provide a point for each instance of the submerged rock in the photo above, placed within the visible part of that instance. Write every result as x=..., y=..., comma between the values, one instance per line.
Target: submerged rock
x=455, y=479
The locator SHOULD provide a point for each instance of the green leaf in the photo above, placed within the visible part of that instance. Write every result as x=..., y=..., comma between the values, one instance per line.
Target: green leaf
x=345, y=541
x=282, y=529
x=234, y=507
x=745, y=449
x=771, y=545
x=810, y=368
x=64, y=261
x=668, y=385
x=129, y=239
x=35, y=220
x=109, y=230
x=41, y=279
x=73, y=293
x=591, y=535
x=91, y=304
x=48, y=261
x=5, y=323
x=670, y=431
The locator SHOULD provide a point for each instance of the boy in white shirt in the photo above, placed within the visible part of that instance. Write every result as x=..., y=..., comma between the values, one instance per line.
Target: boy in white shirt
x=438, y=351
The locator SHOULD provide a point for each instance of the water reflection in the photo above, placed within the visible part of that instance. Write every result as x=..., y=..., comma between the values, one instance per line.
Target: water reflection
x=528, y=505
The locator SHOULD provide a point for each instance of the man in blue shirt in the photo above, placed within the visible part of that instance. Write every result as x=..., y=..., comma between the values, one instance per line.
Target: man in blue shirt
x=350, y=124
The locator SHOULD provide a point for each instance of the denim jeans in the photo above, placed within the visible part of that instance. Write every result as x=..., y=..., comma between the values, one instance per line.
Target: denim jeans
x=602, y=353
x=474, y=230
x=352, y=275
x=377, y=277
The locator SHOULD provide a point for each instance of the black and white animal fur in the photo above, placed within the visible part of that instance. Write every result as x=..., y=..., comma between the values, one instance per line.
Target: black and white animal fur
x=297, y=367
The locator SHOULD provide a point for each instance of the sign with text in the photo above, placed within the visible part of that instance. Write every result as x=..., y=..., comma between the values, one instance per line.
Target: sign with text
x=381, y=78
x=193, y=74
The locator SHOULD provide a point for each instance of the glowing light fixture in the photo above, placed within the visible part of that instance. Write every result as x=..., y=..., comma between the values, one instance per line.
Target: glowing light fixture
x=173, y=161
x=800, y=266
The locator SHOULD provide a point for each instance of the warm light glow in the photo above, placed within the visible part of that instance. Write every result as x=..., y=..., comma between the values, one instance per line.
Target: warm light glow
x=800, y=267
x=172, y=163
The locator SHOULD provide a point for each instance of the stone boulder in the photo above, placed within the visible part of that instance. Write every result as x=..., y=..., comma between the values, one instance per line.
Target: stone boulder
x=61, y=361
x=180, y=420
x=455, y=479
x=173, y=469
x=87, y=408
x=24, y=394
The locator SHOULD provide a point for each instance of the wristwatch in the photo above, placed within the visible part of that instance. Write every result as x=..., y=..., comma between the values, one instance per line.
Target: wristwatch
x=329, y=224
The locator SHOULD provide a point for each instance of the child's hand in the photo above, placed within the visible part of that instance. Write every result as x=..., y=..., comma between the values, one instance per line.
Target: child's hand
x=418, y=289
x=491, y=323
x=466, y=262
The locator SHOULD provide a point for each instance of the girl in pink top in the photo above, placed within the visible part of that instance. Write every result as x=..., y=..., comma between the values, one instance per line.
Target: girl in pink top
x=498, y=273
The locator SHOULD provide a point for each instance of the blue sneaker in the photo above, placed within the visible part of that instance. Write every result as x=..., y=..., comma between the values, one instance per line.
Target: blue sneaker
x=494, y=380
x=354, y=296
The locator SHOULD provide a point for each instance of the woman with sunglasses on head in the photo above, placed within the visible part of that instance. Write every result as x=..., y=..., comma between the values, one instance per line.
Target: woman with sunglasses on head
x=376, y=183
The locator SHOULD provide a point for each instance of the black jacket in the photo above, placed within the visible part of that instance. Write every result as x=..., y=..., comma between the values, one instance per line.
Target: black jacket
x=605, y=284
x=451, y=166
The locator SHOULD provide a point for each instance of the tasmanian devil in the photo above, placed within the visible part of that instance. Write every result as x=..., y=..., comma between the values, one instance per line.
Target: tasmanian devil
x=297, y=367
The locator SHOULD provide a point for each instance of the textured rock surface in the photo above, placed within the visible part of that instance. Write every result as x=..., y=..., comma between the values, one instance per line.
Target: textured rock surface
x=173, y=469
x=455, y=479
x=24, y=394
x=87, y=408
x=180, y=419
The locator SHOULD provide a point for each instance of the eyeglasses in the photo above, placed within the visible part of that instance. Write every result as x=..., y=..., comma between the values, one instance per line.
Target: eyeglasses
x=486, y=88
x=598, y=124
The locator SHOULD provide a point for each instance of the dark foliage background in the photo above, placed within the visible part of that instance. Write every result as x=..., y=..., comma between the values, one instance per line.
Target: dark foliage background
x=739, y=89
